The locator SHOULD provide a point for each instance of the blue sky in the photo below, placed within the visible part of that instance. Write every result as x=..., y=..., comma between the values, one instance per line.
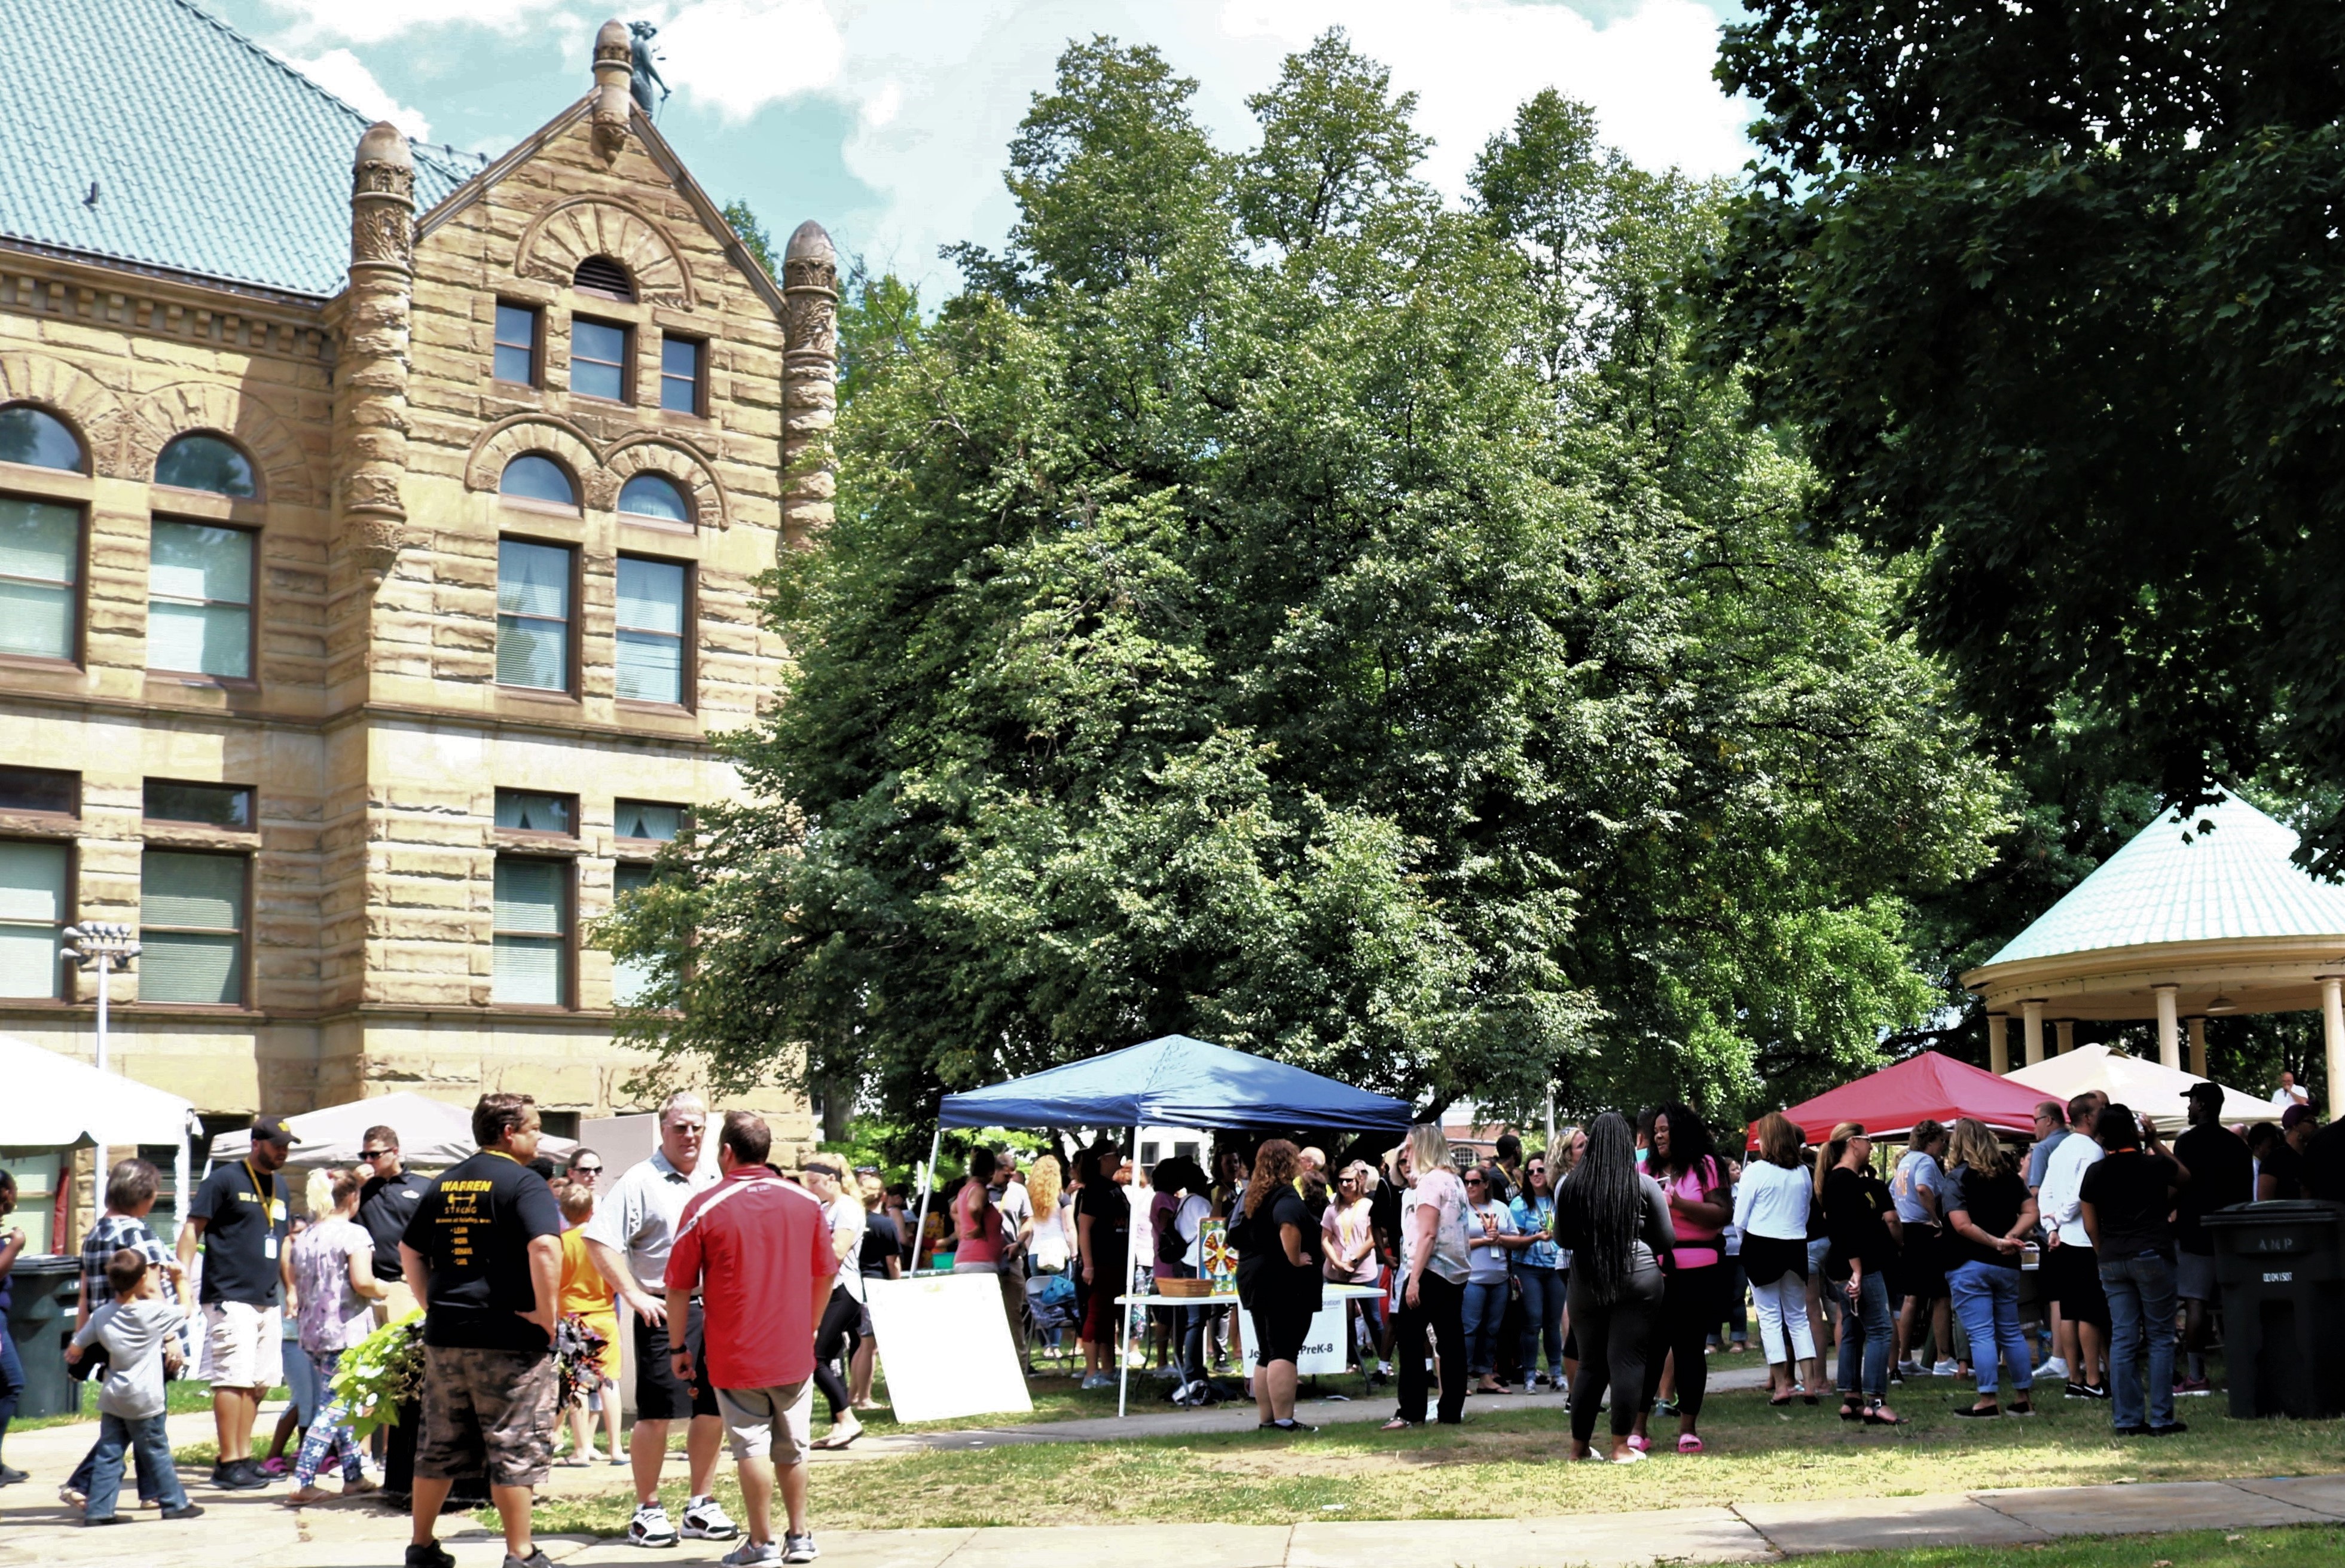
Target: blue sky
x=886, y=119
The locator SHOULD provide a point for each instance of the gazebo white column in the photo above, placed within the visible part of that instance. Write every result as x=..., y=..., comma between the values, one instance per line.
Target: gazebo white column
x=2067, y=1029
x=2032, y=1013
x=2332, y=1029
x=2170, y=1028
x=2198, y=1045
x=1998, y=1043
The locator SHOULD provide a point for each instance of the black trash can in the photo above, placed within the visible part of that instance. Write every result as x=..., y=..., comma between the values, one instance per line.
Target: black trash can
x=43, y=1293
x=2281, y=1267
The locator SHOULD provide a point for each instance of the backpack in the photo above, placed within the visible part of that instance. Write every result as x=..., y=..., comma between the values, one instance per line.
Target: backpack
x=1170, y=1247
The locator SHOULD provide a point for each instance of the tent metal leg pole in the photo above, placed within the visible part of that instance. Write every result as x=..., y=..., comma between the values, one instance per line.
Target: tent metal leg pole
x=928, y=1182
x=1124, y=1356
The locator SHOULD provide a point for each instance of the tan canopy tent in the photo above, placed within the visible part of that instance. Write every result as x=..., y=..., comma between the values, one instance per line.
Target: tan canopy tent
x=2151, y=1089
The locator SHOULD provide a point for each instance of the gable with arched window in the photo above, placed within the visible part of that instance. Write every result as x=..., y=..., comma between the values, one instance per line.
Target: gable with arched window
x=200, y=460
x=534, y=476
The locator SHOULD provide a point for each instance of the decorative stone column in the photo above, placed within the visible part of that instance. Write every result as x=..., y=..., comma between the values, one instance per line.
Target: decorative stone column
x=370, y=382
x=2065, y=1029
x=2169, y=1028
x=2332, y=1030
x=615, y=72
x=2032, y=1013
x=2197, y=1046
x=809, y=381
x=1998, y=1043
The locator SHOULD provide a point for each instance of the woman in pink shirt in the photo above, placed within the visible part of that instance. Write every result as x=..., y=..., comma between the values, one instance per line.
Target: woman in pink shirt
x=1697, y=1183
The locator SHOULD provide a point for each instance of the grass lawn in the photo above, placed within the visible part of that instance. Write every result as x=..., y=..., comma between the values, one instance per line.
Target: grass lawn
x=1507, y=1463
x=2302, y=1547
x=185, y=1396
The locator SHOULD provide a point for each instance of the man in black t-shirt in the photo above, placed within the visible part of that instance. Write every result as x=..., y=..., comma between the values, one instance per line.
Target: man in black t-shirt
x=2282, y=1180
x=2124, y=1201
x=2324, y=1163
x=386, y=1203
x=484, y=1254
x=2223, y=1172
x=240, y=1216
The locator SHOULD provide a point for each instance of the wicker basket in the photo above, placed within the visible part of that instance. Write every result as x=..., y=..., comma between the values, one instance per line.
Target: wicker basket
x=1183, y=1286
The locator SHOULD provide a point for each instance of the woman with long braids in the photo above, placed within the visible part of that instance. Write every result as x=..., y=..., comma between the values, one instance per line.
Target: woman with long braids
x=1617, y=1224
x=1685, y=1162
x=1278, y=1277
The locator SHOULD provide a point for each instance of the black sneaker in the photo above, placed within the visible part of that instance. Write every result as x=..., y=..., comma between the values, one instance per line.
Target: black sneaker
x=430, y=1554
x=2096, y=1391
x=2077, y=1390
x=2130, y=1431
x=107, y=1519
x=1291, y=1426
x=10, y=1476
x=185, y=1511
x=236, y=1478
x=2172, y=1428
x=536, y=1559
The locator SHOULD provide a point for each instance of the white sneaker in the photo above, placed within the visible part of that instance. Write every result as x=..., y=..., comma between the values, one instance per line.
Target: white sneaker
x=2053, y=1366
x=752, y=1554
x=650, y=1527
x=1945, y=1369
x=704, y=1521
x=799, y=1548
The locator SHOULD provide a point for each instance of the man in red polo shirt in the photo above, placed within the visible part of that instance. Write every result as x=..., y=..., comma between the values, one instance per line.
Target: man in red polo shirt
x=757, y=1250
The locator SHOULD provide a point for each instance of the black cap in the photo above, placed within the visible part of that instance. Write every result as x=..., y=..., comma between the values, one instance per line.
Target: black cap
x=271, y=1129
x=2204, y=1090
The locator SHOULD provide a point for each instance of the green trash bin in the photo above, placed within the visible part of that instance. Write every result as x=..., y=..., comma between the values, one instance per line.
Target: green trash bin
x=43, y=1293
x=2281, y=1267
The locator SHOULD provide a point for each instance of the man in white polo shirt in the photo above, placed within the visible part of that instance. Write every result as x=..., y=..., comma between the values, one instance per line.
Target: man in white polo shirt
x=633, y=1231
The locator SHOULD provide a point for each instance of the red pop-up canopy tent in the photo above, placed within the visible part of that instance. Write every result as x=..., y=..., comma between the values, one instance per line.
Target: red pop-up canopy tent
x=1929, y=1086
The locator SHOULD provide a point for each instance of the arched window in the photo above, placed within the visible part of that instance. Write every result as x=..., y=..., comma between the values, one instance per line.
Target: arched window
x=655, y=496
x=205, y=463
x=536, y=478
x=601, y=275
x=38, y=440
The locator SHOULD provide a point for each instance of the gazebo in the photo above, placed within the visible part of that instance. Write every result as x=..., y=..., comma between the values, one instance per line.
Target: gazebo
x=2182, y=924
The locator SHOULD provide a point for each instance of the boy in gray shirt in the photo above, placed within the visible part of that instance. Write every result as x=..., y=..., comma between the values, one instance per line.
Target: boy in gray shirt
x=139, y=1331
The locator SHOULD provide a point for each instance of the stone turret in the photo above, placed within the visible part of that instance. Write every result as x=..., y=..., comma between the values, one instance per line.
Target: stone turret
x=615, y=70
x=809, y=381
x=370, y=384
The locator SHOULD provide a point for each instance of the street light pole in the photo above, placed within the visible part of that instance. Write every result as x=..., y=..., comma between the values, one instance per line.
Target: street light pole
x=103, y=945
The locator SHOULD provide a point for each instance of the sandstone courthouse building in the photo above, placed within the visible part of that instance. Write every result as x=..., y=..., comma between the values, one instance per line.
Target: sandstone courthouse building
x=377, y=530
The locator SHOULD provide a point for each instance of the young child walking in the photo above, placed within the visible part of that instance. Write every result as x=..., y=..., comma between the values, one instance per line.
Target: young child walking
x=137, y=1327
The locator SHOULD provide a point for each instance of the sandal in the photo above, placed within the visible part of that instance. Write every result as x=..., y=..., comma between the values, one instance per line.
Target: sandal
x=1850, y=1410
x=1874, y=1416
x=1398, y=1423
x=1640, y=1444
x=1688, y=1442
x=1782, y=1399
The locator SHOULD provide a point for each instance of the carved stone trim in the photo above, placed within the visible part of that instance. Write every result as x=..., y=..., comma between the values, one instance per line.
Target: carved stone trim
x=600, y=470
x=688, y=467
x=84, y=404
x=167, y=412
x=567, y=233
x=510, y=437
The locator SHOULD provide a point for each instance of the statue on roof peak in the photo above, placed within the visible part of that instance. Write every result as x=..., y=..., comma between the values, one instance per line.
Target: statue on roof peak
x=646, y=72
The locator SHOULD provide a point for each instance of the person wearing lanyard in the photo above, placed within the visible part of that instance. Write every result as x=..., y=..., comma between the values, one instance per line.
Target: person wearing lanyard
x=240, y=1216
x=1684, y=1161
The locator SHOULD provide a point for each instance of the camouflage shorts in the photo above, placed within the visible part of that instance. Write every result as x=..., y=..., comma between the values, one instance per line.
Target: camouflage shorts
x=486, y=1411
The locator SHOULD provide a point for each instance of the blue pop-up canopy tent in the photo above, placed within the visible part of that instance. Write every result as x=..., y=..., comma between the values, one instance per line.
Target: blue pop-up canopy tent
x=1174, y=1081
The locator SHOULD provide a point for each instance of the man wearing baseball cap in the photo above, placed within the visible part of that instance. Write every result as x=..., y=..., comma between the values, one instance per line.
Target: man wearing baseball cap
x=240, y=1217
x=2223, y=1172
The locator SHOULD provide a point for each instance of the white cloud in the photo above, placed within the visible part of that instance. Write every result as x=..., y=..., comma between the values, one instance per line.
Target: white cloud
x=738, y=55
x=342, y=74
x=379, y=21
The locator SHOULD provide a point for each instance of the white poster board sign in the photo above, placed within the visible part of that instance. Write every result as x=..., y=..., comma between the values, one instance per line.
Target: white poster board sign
x=1323, y=1350
x=946, y=1347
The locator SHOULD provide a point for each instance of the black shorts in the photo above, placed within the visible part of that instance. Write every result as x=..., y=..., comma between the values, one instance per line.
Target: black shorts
x=659, y=1395
x=1921, y=1270
x=1279, y=1330
x=2076, y=1285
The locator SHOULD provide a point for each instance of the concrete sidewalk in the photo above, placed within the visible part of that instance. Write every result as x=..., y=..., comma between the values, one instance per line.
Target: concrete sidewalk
x=258, y=1530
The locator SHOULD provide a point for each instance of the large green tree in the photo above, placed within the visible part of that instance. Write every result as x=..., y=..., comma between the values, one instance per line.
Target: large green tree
x=2051, y=295
x=1270, y=603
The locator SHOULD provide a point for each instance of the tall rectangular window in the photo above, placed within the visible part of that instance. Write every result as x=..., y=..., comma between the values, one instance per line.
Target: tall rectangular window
x=651, y=622
x=530, y=965
x=598, y=359
x=516, y=350
x=199, y=599
x=40, y=578
x=680, y=361
x=630, y=977
x=34, y=897
x=533, y=615
x=191, y=927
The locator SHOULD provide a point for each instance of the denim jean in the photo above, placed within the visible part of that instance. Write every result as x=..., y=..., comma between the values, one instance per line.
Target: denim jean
x=1542, y=1320
x=2140, y=1290
x=1866, y=1334
x=1486, y=1309
x=147, y=1438
x=11, y=1380
x=1986, y=1300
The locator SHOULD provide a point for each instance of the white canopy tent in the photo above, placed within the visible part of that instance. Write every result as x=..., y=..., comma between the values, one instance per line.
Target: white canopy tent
x=56, y=1100
x=432, y=1134
x=2150, y=1088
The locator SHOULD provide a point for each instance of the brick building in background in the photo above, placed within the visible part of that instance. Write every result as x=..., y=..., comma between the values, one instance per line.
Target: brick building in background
x=378, y=531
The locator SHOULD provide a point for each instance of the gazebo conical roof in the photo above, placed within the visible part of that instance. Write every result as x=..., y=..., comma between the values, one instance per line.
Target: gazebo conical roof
x=2221, y=913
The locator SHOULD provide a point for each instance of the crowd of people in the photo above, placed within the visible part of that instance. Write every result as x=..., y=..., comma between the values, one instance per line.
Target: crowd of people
x=1624, y=1255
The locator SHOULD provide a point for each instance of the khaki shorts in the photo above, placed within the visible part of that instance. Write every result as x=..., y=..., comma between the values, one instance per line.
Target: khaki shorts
x=486, y=1411
x=770, y=1423
x=244, y=1345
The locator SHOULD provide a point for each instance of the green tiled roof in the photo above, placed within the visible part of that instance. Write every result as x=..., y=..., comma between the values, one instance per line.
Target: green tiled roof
x=2233, y=882
x=207, y=155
